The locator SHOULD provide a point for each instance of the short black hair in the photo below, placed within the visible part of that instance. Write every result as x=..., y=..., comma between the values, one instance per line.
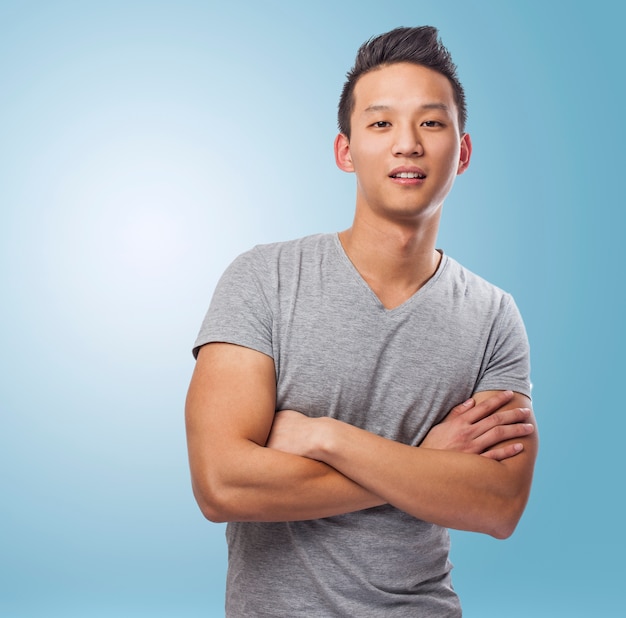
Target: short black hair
x=419, y=45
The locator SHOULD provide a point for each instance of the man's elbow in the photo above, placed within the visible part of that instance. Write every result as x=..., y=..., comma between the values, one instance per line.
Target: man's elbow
x=505, y=519
x=512, y=496
x=212, y=512
x=503, y=529
x=214, y=503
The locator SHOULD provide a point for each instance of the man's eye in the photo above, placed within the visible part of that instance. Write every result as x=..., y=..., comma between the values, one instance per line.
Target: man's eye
x=432, y=123
x=381, y=124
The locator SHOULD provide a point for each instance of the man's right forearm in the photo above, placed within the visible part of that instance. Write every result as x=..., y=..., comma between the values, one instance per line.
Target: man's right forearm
x=263, y=484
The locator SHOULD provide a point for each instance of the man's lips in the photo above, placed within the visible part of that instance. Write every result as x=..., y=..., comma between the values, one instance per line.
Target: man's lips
x=407, y=173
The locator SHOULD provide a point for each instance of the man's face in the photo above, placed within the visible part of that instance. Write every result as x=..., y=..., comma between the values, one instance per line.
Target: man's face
x=405, y=146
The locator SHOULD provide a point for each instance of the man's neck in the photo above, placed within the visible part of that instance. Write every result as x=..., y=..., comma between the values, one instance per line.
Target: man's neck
x=394, y=259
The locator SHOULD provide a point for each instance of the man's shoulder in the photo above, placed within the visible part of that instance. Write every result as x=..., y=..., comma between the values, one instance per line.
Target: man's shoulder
x=304, y=244
x=269, y=263
x=471, y=285
x=285, y=255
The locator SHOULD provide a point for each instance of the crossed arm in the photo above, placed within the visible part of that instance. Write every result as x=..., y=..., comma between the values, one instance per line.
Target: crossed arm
x=472, y=472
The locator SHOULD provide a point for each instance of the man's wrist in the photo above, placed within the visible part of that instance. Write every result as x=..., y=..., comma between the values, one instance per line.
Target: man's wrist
x=321, y=439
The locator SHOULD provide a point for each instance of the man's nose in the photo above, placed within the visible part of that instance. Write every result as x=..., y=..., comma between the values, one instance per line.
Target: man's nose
x=407, y=143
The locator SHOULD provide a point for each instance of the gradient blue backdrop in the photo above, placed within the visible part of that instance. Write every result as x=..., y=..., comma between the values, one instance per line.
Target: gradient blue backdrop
x=145, y=144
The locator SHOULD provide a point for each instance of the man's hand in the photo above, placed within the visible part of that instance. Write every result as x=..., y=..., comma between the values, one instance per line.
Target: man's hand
x=471, y=428
x=292, y=432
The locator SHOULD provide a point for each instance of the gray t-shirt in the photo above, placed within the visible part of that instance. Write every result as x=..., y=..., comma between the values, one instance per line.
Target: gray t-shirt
x=338, y=352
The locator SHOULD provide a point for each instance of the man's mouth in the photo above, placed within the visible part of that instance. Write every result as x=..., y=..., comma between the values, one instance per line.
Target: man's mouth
x=408, y=175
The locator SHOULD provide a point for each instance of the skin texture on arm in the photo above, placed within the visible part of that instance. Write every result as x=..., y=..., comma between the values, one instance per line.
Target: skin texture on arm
x=230, y=412
x=459, y=490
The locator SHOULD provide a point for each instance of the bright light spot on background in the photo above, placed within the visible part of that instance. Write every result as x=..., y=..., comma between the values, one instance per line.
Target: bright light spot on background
x=151, y=242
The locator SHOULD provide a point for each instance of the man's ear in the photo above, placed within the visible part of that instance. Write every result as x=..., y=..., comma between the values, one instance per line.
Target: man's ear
x=343, y=158
x=466, y=153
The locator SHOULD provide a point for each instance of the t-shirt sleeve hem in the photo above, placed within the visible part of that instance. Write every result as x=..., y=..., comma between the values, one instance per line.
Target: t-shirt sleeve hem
x=516, y=386
x=252, y=344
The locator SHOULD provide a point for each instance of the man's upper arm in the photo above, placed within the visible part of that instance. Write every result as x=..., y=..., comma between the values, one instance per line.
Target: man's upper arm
x=232, y=393
x=231, y=401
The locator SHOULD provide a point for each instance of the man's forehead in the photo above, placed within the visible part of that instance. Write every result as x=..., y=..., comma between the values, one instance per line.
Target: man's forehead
x=388, y=86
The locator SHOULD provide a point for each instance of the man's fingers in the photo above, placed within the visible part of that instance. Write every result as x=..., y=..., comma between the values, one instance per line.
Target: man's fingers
x=488, y=406
x=481, y=410
x=504, y=452
x=502, y=433
x=462, y=408
x=502, y=418
x=480, y=428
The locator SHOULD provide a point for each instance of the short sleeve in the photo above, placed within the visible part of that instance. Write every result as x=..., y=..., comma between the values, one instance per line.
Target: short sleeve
x=239, y=311
x=507, y=360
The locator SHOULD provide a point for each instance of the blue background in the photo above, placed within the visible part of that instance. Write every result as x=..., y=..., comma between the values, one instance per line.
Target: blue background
x=145, y=144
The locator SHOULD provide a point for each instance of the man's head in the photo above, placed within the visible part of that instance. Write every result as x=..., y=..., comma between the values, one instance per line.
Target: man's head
x=420, y=46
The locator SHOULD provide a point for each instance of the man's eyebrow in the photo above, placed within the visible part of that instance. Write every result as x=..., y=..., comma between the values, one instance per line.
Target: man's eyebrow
x=385, y=108
x=377, y=108
x=441, y=106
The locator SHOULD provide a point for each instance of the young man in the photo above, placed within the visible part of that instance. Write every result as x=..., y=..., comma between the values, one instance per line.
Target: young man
x=317, y=414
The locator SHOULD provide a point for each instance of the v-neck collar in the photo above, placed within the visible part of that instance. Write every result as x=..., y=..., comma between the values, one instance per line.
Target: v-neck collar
x=423, y=290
